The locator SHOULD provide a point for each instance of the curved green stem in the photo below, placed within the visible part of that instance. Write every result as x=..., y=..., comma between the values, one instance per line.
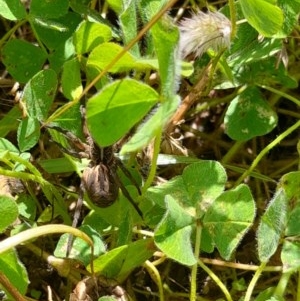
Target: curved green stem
x=283, y=94
x=266, y=150
x=232, y=151
x=193, y=293
x=49, y=190
x=215, y=278
x=153, y=167
x=282, y=284
x=29, y=234
x=298, y=286
x=154, y=274
x=10, y=32
x=253, y=281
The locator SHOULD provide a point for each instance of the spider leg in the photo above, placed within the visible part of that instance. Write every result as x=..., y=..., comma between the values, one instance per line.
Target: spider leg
x=73, y=140
x=75, y=218
x=128, y=175
x=127, y=195
x=73, y=153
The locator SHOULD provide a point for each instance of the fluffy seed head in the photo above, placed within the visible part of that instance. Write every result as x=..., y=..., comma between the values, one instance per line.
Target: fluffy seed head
x=204, y=31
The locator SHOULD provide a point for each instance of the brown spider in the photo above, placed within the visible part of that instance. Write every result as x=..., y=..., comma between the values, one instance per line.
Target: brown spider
x=99, y=180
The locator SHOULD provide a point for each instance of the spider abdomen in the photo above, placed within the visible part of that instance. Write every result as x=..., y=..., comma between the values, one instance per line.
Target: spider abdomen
x=100, y=185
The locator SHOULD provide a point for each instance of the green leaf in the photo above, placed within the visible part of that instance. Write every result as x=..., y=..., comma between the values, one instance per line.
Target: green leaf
x=26, y=206
x=119, y=262
x=147, y=131
x=117, y=108
x=266, y=295
x=200, y=184
x=88, y=35
x=96, y=221
x=9, y=122
x=138, y=252
x=111, y=262
x=71, y=121
x=71, y=79
x=290, y=255
x=128, y=22
x=54, y=33
x=58, y=165
x=190, y=196
x=80, y=249
x=291, y=12
x=104, y=53
x=153, y=205
x=61, y=54
x=293, y=224
x=290, y=183
x=174, y=187
x=116, y=5
x=28, y=133
x=12, y=10
x=14, y=270
x=262, y=72
x=115, y=214
x=39, y=94
x=253, y=49
x=204, y=182
x=9, y=212
x=265, y=17
x=49, y=9
x=18, y=57
x=272, y=225
x=165, y=38
x=173, y=234
x=229, y=218
x=150, y=8
x=249, y=115
x=186, y=68
x=19, y=166
x=6, y=145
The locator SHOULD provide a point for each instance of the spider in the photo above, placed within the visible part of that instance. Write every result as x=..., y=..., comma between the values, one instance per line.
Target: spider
x=100, y=179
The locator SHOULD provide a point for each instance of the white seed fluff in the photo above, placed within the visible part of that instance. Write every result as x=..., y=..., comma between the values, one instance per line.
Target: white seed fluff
x=204, y=31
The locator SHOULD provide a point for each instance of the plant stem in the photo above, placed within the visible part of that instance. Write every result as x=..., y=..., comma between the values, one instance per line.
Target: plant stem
x=10, y=32
x=233, y=18
x=193, y=293
x=253, y=281
x=62, y=265
x=282, y=284
x=233, y=150
x=29, y=234
x=298, y=286
x=153, y=167
x=283, y=94
x=215, y=278
x=241, y=266
x=49, y=190
x=155, y=276
x=266, y=150
x=10, y=288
